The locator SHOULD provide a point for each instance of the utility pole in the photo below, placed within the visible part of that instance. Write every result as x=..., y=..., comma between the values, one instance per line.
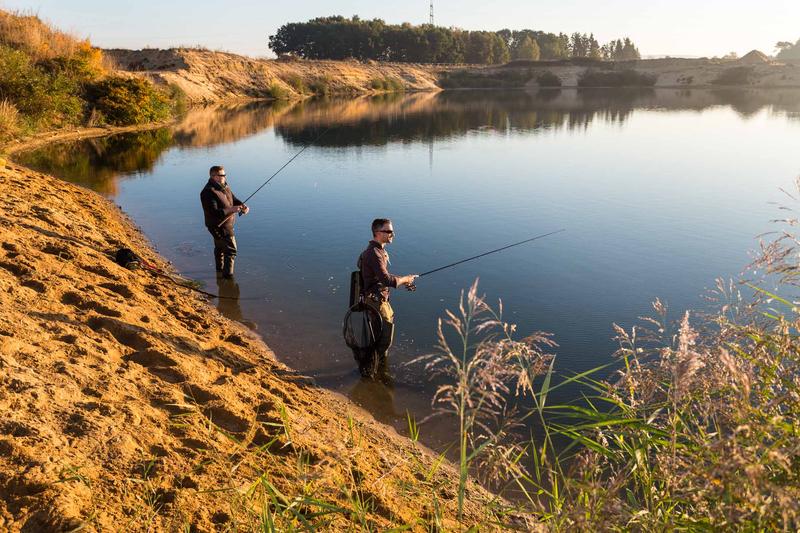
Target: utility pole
x=431, y=19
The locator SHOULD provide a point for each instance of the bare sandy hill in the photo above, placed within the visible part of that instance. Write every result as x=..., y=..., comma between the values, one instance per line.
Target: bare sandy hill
x=129, y=403
x=207, y=76
x=754, y=57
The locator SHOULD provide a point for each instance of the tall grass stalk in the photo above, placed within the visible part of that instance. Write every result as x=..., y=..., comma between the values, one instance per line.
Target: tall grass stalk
x=484, y=367
x=9, y=119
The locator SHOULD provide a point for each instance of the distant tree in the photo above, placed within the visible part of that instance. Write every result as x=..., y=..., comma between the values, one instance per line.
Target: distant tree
x=594, y=48
x=485, y=48
x=552, y=46
x=577, y=45
x=788, y=50
x=337, y=37
x=618, y=51
x=731, y=56
x=527, y=49
x=629, y=51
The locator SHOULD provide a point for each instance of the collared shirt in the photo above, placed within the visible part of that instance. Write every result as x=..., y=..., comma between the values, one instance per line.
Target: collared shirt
x=373, y=263
x=215, y=198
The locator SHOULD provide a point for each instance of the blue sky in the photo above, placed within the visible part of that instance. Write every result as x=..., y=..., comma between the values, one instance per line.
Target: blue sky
x=675, y=27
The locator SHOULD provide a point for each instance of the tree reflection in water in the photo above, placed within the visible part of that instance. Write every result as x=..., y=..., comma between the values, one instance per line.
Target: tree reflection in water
x=382, y=120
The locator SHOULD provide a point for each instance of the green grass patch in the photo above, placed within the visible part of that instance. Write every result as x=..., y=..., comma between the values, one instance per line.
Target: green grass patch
x=297, y=83
x=277, y=91
x=321, y=86
x=387, y=84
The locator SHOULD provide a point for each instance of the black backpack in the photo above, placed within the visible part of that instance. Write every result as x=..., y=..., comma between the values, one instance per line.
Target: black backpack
x=127, y=258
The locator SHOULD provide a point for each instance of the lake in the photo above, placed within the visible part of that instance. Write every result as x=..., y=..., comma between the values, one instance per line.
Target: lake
x=660, y=192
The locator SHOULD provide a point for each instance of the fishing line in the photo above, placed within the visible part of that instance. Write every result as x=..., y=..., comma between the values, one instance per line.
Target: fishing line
x=295, y=156
x=488, y=253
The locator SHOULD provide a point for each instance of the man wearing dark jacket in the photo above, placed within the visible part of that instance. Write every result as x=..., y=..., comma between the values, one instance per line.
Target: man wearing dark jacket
x=373, y=264
x=220, y=208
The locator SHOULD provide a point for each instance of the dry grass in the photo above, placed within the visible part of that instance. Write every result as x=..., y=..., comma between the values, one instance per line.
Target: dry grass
x=39, y=39
x=9, y=119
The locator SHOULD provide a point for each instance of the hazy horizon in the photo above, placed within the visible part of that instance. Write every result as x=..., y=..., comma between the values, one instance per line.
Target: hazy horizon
x=658, y=28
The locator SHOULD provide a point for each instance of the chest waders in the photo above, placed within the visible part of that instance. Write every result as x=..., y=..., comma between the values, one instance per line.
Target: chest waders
x=368, y=327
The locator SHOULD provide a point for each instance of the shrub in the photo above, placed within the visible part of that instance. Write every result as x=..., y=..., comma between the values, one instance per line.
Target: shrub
x=464, y=79
x=320, y=86
x=297, y=83
x=616, y=78
x=129, y=101
x=85, y=65
x=277, y=92
x=387, y=84
x=548, y=79
x=45, y=99
x=735, y=76
x=178, y=98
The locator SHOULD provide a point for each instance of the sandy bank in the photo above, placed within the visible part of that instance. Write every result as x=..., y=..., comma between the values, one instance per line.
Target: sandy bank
x=207, y=76
x=129, y=403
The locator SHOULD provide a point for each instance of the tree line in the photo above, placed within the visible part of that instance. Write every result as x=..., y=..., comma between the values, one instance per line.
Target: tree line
x=788, y=50
x=338, y=37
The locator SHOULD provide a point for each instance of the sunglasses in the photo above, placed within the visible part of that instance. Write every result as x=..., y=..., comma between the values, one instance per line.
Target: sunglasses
x=221, y=175
x=389, y=231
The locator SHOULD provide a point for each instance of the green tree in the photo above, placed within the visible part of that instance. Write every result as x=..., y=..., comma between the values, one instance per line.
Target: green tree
x=338, y=37
x=594, y=48
x=629, y=51
x=527, y=49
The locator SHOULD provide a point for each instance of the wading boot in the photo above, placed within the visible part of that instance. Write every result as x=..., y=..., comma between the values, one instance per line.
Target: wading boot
x=227, y=268
x=219, y=262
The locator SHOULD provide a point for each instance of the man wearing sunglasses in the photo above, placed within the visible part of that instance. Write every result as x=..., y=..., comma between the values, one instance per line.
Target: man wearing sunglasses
x=376, y=282
x=219, y=207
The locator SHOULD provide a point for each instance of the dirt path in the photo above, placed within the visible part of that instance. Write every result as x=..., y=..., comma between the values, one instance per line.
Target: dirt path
x=129, y=403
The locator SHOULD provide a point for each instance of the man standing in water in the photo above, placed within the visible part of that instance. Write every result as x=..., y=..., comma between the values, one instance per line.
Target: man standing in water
x=373, y=264
x=220, y=204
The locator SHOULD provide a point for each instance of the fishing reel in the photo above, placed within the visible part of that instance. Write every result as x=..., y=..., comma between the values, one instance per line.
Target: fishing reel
x=411, y=287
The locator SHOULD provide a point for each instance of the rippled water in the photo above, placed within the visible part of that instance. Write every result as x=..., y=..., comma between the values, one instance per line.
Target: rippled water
x=660, y=192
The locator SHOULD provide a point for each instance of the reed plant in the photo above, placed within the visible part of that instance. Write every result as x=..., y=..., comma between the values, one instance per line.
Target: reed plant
x=694, y=425
x=484, y=367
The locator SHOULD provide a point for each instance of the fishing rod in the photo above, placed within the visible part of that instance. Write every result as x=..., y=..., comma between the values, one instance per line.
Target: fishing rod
x=413, y=287
x=295, y=156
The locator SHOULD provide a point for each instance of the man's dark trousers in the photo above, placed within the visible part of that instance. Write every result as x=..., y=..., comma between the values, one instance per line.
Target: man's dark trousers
x=224, y=251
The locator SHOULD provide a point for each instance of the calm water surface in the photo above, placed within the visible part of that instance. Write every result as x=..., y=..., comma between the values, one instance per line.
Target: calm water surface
x=660, y=192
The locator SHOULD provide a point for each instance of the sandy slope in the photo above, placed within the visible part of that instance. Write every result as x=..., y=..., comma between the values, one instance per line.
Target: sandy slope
x=130, y=403
x=207, y=76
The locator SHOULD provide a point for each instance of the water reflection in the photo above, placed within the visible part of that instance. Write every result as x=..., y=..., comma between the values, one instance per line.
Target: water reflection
x=383, y=120
x=378, y=398
x=96, y=163
x=228, y=301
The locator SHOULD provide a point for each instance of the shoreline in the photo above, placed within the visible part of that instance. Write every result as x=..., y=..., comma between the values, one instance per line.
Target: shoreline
x=107, y=369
